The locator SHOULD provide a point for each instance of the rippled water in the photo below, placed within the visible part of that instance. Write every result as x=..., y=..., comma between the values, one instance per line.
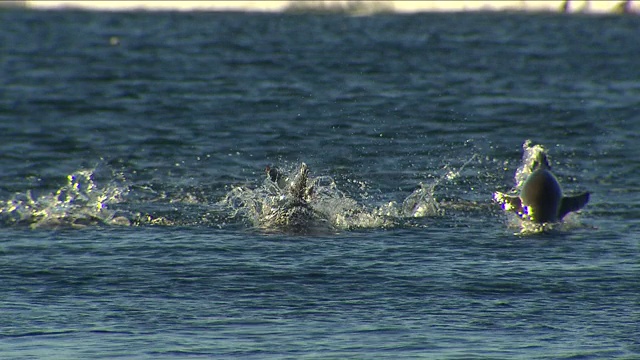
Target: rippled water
x=131, y=144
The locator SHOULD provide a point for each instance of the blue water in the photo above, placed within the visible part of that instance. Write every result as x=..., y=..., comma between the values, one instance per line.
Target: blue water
x=130, y=144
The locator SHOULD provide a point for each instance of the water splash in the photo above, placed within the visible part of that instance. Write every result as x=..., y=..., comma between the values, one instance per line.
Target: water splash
x=295, y=202
x=422, y=202
x=531, y=154
x=527, y=228
x=78, y=203
x=266, y=205
x=274, y=206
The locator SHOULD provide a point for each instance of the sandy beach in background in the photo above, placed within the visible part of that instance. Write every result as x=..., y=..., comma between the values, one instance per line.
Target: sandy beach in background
x=362, y=6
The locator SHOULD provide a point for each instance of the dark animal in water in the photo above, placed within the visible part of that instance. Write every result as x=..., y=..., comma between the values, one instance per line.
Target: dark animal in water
x=541, y=199
x=292, y=210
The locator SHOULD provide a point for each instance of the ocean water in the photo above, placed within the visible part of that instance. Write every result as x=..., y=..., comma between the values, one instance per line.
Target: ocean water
x=133, y=192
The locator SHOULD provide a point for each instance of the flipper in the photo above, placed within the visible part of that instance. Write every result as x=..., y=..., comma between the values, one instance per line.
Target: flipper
x=276, y=176
x=572, y=203
x=509, y=202
x=298, y=186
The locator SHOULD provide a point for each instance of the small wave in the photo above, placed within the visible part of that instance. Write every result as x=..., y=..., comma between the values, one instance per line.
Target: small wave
x=61, y=332
x=37, y=333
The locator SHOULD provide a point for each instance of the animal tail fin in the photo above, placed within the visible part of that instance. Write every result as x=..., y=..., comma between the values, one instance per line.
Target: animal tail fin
x=572, y=203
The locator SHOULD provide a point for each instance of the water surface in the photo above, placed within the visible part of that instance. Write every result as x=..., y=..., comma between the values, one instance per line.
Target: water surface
x=122, y=134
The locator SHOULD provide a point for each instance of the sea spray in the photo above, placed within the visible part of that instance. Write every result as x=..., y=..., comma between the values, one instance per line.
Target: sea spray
x=77, y=203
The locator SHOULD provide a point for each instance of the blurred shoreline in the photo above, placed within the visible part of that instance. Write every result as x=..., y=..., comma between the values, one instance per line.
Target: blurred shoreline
x=352, y=7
